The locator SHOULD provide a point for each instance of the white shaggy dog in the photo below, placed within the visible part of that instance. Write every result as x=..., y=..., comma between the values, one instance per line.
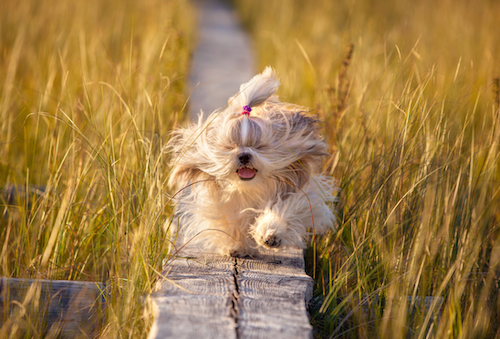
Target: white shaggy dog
x=249, y=175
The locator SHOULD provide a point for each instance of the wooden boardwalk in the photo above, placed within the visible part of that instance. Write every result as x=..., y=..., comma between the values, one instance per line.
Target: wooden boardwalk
x=214, y=296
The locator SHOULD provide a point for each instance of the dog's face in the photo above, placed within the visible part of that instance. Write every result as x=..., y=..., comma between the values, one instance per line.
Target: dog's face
x=275, y=145
x=243, y=147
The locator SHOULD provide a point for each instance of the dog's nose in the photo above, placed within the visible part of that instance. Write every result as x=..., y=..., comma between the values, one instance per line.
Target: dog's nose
x=244, y=158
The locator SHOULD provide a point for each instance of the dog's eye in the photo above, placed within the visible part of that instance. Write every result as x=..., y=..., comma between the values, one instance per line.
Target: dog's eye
x=261, y=147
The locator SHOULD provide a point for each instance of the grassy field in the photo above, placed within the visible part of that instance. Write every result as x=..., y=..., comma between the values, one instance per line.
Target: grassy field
x=409, y=94
x=89, y=90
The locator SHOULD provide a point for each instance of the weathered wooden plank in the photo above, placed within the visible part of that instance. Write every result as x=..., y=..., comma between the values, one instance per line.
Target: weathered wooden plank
x=289, y=262
x=258, y=285
x=197, y=300
x=273, y=318
x=64, y=308
x=273, y=292
x=193, y=317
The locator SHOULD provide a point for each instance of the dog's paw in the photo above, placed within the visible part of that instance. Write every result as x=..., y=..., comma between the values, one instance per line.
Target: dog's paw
x=271, y=241
x=237, y=253
x=269, y=230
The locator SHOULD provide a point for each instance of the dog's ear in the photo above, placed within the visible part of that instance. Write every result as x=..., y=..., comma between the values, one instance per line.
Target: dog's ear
x=293, y=122
x=183, y=175
x=186, y=160
x=298, y=174
x=303, y=123
x=306, y=141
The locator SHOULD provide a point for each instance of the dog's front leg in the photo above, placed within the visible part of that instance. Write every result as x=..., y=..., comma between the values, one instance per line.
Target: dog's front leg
x=284, y=223
x=270, y=228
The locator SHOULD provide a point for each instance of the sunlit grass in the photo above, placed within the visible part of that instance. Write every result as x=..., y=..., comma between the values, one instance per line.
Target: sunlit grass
x=90, y=89
x=89, y=93
x=412, y=119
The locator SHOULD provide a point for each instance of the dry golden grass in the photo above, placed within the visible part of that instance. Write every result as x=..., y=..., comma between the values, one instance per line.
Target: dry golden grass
x=89, y=91
x=411, y=115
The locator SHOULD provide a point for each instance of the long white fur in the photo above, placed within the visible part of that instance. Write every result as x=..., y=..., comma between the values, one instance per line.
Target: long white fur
x=286, y=200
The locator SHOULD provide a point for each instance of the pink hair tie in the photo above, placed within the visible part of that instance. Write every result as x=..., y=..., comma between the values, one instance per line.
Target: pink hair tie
x=246, y=110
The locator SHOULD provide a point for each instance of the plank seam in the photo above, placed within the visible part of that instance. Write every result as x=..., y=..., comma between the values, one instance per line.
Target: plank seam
x=235, y=312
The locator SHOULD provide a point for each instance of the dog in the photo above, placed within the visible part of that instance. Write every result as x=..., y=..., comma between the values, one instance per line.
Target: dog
x=249, y=176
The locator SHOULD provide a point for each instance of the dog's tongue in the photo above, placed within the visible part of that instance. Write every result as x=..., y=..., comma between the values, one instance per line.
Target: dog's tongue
x=246, y=173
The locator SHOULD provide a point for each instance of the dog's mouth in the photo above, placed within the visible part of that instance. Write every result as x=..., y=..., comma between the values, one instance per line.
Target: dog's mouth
x=246, y=173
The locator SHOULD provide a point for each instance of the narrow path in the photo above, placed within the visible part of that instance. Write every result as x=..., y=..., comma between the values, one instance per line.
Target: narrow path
x=222, y=61
x=213, y=296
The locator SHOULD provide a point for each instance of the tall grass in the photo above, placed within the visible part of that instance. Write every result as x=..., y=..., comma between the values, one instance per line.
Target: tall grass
x=89, y=91
x=411, y=114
